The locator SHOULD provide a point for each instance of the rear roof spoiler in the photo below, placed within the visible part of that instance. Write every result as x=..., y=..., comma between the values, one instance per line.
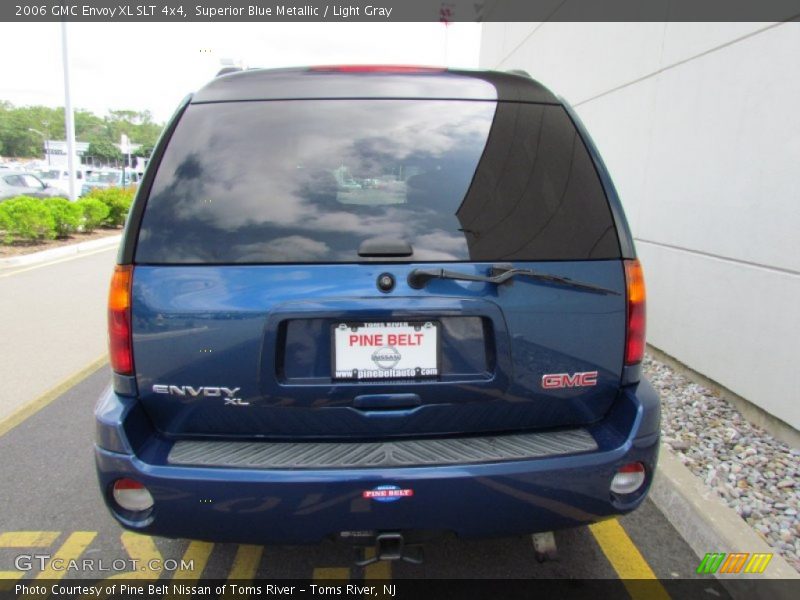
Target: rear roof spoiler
x=226, y=70
x=371, y=81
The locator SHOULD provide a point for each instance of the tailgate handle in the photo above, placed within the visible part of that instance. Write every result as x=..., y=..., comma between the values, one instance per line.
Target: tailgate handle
x=385, y=247
x=386, y=401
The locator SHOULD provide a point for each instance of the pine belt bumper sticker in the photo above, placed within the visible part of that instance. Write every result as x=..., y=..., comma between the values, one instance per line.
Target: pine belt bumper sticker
x=387, y=493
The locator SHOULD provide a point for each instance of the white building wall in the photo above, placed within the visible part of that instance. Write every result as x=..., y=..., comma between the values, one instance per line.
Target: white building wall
x=699, y=124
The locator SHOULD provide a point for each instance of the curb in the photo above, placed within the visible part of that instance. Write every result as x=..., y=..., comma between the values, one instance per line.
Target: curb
x=54, y=253
x=709, y=525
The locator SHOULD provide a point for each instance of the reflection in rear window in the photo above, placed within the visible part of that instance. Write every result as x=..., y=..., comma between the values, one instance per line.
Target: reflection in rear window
x=308, y=181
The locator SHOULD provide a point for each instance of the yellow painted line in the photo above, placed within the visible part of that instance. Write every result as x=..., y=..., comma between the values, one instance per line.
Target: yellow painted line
x=23, y=539
x=140, y=548
x=639, y=579
x=57, y=261
x=31, y=408
x=197, y=553
x=71, y=549
x=245, y=563
x=377, y=570
x=381, y=570
x=244, y=568
x=331, y=573
x=28, y=539
x=143, y=550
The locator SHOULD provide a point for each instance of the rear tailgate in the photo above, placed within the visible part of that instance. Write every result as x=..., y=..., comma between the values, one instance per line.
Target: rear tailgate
x=248, y=350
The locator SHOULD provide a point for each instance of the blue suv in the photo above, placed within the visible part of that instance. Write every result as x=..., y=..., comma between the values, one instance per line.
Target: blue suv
x=375, y=303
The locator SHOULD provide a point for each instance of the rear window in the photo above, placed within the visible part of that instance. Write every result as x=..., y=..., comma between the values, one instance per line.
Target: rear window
x=307, y=181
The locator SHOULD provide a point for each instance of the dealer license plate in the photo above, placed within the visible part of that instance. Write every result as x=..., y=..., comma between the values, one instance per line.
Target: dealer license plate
x=399, y=350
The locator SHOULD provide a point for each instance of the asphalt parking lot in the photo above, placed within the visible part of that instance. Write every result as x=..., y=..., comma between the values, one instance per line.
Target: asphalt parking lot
x=51, y=505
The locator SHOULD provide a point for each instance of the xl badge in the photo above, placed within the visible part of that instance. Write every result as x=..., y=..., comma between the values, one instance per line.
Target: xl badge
x=236, y=402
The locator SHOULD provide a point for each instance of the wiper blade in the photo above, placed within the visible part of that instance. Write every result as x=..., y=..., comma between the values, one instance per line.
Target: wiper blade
x=419, y=278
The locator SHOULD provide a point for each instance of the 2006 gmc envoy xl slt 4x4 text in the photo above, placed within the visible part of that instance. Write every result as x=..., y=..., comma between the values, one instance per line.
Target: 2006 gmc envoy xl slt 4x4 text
x=375, y=304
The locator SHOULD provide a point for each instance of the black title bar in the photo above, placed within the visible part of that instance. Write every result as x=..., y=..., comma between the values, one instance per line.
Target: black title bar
x=413, y=589
x=446, y=11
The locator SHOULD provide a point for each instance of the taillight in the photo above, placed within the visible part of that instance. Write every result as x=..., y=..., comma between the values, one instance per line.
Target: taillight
x=635, y=340
x=119, y=320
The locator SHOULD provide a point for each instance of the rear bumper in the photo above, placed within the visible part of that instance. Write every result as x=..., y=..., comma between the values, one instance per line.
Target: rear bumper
x=259, y=506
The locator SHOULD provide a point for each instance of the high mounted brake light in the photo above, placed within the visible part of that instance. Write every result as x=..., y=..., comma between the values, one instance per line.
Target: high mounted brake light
x=119, y=320
x=376, y=69
x=635, y=337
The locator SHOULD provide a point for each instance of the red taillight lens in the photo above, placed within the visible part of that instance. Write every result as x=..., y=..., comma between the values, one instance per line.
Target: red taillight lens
x=119, y=320
x=635, y=340
x=636, y=467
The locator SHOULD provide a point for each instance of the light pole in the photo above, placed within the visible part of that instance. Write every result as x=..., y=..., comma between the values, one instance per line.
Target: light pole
x=125, y=147
x=69, y=117
x=47, y=140
x=46, y=143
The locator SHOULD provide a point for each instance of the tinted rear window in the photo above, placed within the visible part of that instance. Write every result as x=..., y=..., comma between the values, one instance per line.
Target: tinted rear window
x=308, y=181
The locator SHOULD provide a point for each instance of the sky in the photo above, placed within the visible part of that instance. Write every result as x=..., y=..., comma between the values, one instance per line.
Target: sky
x=144, y=66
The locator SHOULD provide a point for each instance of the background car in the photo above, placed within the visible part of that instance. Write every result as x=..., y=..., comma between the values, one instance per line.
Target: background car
x=20, y=183
x=107, y=179
x=59, y=178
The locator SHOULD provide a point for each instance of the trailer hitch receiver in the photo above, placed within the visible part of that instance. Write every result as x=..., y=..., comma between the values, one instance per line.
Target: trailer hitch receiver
x=391, y=546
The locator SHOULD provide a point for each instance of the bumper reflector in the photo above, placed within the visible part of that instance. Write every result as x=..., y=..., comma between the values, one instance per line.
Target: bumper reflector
x=628, y=479
x=132, y=495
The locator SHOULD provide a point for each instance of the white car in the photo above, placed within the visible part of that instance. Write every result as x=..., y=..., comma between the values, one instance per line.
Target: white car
x=59, y=179
x=110, y=178
x=20, y=183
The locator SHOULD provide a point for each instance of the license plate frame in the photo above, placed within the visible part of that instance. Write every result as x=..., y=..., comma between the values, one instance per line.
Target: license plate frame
x=385, y=361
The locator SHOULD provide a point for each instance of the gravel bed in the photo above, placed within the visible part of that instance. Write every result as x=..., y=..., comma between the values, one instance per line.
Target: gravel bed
x=754, y=473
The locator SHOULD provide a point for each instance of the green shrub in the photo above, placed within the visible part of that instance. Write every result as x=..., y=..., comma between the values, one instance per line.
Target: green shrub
x=118, y=201
x=67, y=215
x=94, y=212
x=5, y=220
x=26, y=218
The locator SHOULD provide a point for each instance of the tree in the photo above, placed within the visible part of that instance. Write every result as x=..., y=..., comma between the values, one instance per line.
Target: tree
x=143, y=151
x=88, y=126
x=104, y=151
x=17, y=139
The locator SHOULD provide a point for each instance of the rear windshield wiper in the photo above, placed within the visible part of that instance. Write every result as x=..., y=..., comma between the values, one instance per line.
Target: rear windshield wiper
x=419, y=278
